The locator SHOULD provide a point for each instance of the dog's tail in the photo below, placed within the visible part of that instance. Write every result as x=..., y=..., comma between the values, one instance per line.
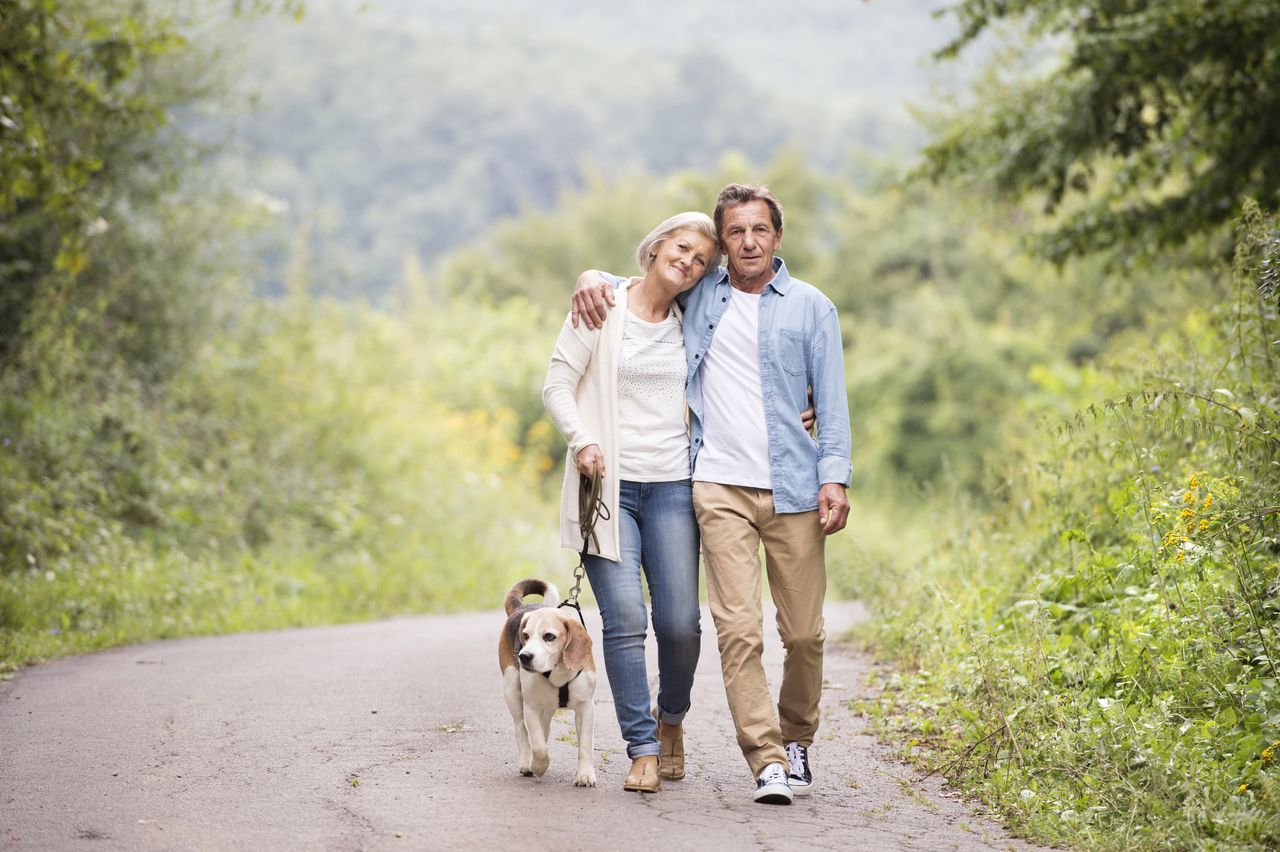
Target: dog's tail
x=515, y=597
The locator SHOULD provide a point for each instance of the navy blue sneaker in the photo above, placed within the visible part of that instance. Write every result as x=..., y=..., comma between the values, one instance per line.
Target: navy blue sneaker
x=799, y=775
x=772, y=787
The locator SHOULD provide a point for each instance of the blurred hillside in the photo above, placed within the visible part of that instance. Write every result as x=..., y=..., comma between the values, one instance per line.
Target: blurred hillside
x=426, y=123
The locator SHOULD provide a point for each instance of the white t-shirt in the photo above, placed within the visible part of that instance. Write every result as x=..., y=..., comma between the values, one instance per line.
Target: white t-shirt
x=653, y=437
x=735, y=440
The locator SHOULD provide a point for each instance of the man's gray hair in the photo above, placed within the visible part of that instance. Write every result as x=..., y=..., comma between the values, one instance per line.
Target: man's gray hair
x=690, y=220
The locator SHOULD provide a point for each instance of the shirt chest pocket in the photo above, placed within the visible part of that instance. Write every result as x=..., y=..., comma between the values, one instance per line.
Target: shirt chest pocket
x=792, y=351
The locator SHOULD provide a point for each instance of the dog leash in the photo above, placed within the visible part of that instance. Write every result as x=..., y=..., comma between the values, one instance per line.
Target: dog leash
x=591, y=509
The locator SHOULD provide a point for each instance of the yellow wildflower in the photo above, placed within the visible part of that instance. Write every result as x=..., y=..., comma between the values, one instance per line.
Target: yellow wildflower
x=1242, y=788
x=1208, y=501
x=1189, y=497
x=1182, y=555
x=1204, y=525
x=1187, y=514
x=1267, y=754
x=1195, y=482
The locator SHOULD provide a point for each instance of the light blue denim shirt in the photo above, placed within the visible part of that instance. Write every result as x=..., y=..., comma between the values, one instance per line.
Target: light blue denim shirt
x=799, y=346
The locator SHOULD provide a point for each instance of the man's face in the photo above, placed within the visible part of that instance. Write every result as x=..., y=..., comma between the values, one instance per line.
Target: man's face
x=749, y=242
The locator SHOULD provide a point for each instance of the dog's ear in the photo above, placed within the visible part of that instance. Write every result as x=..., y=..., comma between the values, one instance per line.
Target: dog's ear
x=577, y=650
x=517, y=632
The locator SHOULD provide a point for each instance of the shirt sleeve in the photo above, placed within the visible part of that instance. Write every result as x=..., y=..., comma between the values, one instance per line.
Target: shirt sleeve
x=568, y=365
x=831, y=403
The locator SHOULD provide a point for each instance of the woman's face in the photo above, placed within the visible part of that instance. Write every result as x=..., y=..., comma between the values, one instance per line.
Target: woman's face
x=682, y=258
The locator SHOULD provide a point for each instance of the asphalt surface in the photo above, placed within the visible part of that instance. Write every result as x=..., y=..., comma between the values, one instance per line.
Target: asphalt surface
x=395, y=736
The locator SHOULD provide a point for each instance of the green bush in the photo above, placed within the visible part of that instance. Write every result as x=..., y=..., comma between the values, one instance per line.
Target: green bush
x=318, y=462
x=1096, y=655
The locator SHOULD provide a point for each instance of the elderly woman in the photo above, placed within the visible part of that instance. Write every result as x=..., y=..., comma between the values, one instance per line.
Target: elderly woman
x=617, y=396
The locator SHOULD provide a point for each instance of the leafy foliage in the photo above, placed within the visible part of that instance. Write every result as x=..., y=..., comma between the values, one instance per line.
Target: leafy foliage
x=78, y=124
x=1097, y=656
x=177, y=457
x=1161, y=117
x=293, y=474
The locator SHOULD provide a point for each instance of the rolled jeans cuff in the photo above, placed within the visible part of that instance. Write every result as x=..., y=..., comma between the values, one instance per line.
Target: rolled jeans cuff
x=672, y=719
x=644, y=750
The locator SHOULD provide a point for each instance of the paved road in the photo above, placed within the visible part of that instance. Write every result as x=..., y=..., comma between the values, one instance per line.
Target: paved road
x=394, y=736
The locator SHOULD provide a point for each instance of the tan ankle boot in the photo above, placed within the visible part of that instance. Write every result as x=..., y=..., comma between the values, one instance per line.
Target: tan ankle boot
x=643, y=777
x=671, y=758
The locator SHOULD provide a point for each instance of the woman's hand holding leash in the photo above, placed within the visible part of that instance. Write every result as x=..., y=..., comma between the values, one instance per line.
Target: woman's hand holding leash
x=589, y=458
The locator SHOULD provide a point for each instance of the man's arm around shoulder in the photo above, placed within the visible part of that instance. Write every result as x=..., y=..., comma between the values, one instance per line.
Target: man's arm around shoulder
x=593, y=297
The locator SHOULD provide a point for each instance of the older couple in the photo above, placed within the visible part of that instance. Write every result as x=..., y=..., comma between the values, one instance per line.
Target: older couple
x=687, y=388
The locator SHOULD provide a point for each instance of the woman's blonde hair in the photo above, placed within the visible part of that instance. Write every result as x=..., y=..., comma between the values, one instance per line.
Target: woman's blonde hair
x=690, y=220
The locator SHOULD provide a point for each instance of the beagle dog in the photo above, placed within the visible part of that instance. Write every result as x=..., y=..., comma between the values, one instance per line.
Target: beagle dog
x=545, y=657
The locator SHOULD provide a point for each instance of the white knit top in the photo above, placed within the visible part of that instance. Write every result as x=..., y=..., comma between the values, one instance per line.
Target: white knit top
x=653, y=440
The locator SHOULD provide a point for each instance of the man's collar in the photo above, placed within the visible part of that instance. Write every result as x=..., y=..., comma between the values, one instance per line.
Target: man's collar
x=781, y=278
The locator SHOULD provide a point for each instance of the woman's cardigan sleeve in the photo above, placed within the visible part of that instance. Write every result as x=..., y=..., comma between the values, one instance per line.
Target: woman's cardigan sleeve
x=568, y=365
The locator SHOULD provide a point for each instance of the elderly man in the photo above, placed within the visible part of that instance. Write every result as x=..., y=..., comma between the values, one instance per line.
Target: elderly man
x=758, y=341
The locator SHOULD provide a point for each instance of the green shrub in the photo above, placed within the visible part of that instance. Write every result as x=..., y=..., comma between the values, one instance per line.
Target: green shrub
x=1096, y=655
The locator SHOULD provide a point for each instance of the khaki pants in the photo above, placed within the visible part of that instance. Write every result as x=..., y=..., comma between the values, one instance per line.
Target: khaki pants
x=734, y=521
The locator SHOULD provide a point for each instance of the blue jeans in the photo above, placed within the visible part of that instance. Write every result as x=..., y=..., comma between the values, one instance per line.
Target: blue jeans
x=659, y=536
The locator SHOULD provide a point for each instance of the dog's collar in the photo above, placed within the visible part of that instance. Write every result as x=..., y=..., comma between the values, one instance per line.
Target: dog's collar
x=564, y=687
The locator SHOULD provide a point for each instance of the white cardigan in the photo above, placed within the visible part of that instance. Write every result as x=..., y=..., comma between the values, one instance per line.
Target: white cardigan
x=581, y=395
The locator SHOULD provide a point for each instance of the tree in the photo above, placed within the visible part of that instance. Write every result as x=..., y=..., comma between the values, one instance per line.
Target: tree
x=88, y=89
x=75, y=117
x=1161, y=118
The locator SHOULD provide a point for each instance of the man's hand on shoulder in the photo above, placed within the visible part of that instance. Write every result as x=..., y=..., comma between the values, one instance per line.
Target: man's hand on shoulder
x=833, y=507
x=592, y=298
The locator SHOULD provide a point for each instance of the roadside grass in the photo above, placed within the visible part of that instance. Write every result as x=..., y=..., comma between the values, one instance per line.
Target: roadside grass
x=129, y=594
x=321, y=463
x=1094, y=656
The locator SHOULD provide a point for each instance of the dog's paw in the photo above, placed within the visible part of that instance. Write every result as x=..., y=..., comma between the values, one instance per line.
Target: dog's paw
x=526, y=772
x=540, y=764
x=585, y=779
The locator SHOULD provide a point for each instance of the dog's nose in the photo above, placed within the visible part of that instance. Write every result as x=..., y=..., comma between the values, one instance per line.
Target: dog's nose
x=526, y=657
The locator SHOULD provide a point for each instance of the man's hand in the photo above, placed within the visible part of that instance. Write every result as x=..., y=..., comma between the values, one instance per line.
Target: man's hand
x=590, y=457
x=592, y=299
x=808, y=417
x=833, y=508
